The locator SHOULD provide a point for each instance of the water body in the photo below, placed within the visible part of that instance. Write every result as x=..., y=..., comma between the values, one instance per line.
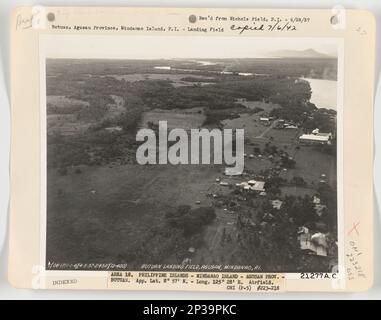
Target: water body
x=324, y=93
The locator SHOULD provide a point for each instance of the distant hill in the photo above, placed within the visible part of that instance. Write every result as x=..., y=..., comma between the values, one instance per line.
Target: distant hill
x=309, y=53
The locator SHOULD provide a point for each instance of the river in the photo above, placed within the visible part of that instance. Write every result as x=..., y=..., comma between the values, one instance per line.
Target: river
x=324, y=93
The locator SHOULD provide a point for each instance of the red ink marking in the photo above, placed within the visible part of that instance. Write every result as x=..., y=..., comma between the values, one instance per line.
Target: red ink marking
x=354, y=228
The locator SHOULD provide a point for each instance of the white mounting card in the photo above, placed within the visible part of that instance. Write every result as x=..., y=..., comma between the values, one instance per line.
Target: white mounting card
x=192, y=149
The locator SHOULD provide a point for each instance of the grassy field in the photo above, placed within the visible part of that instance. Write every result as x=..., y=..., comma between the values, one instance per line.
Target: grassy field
x=63, y=119
x=312, y=163
x=93, y=213
x=175, y=78
x=65, y=124
x=283, y=136
x=176, y=118
x=250, y=122
x=267, y=107
x=64, y=102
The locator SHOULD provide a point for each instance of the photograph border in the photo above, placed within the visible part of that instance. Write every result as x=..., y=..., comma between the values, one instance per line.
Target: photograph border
x=43, y=55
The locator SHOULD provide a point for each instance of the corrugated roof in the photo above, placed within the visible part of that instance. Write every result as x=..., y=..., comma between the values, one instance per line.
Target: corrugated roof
x=313, y=137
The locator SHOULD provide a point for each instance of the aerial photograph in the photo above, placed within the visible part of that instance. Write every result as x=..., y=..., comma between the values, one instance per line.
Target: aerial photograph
x=108, y=211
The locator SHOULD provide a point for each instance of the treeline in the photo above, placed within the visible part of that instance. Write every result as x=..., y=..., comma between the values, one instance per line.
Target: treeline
x=323, y=119
x=287, y=67
x=319, y=68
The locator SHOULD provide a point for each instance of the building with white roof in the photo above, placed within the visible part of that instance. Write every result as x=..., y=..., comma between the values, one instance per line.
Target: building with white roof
x=314, y=139
x=314, y=243
x=252, y=185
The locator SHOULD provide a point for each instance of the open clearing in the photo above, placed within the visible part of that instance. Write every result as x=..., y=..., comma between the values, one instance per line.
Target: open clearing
x=66, y=123
x=312, y=163
x=64, y=102
x=176, y=118
x=118, y=205
x=175, y=78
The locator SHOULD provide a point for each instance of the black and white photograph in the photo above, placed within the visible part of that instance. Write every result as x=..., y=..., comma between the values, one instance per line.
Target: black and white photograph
x=193, y=153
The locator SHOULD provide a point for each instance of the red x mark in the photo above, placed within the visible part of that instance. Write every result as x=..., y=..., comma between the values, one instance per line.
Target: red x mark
x=354, y=228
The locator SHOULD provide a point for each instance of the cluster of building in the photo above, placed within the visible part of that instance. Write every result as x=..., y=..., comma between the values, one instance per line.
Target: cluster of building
x=266, y=120
x=319, y=207
x=282, y=124
x=314, y=243
x=250, y=185
x=311, y=242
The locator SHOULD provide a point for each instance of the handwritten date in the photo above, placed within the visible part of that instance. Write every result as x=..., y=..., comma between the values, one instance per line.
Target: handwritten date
x=277, y=26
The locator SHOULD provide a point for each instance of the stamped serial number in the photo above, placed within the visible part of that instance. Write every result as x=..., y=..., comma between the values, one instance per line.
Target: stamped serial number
x=318, y=275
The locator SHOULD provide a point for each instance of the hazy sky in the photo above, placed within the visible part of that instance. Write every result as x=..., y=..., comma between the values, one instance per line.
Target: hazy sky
x=167, y=47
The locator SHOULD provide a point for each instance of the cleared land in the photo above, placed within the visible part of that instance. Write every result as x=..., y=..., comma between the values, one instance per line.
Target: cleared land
x=189, y=119
x=110, y=211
